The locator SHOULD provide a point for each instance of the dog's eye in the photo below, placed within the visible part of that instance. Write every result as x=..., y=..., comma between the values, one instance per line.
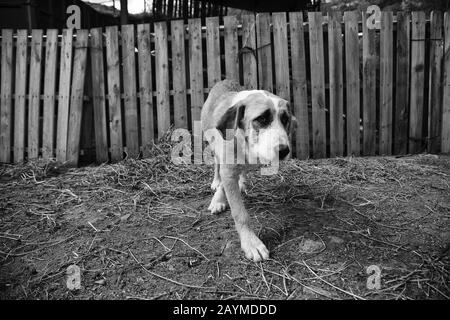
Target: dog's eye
x=284, y=118
x=264, y=119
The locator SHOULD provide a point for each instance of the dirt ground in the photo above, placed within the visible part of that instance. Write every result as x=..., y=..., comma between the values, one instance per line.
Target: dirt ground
x=140, y=229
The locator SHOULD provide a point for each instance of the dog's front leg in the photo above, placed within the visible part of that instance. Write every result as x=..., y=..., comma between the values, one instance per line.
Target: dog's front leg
x=252, y=246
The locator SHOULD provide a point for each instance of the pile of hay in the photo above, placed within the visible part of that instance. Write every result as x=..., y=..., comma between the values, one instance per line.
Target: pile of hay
x=386, y=210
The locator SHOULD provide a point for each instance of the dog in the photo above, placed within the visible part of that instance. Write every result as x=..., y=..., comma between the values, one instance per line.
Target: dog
x=264, y=122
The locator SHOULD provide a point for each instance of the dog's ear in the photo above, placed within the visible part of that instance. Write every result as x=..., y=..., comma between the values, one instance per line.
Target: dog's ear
x=232, y=119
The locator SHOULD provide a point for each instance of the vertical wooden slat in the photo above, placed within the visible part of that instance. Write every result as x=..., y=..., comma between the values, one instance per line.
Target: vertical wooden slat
x=231, y=47
x=213, y=50
x=386, y=82
x=435, y=93
x=34, y=93
x=445, y=140
x=336, y=84
x=299, y=84
x=129, y=90
x=76, y=97
x=145, y=87
x=48, y=125
x=250, y=70
x=114, y=102
x=317, y=84
x=5, y=98
x=179, y=72
x=20, y=95
x=369, y=89
x=280, y=46
x=64, y=95
x=417, y=82
x=352, y=82
x=264, y=51
x=196, y=83
x=98, y=95
x=195, y=68
x=162, y=78
x=402, y=84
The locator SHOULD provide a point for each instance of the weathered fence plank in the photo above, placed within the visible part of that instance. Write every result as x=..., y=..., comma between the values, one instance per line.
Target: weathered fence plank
x=435, y=81
x=445, y=142
x=195, y=68
x=417, y=82
x=145, y=87
x=114, y=102
x=264, y=51
x=386, y=82
x=213, y=50
x=34, y=93
x=64, y=95
x=315, y=20
x=280, y=45
x=299, y=84
x=162, y=78
x=248, y=51
x=196, y=83
x=129, y=90
x=336, y=85
x=6, y=96
x=369, y=89
x=20, y=95
x=402, y=84
x=48, y=124
x=352, y=82
x=178, y=72
x=98, y=95
x=76, y=97
x=231, y=47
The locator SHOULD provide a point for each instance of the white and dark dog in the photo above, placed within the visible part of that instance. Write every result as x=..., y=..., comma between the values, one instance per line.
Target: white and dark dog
x=264, y=122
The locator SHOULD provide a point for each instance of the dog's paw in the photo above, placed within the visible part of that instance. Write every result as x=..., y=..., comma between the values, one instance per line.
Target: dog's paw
x=215, y=184
x=254, y=249
x=217, y=206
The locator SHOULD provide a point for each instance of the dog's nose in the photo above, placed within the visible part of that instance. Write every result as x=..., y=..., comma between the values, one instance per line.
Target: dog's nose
x=283, y=151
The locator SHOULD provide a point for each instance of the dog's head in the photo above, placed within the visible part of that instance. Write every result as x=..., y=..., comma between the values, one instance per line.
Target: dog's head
x=264, y=119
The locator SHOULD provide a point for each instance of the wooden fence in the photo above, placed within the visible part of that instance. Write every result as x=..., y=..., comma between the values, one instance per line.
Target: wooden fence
x=354, y=90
